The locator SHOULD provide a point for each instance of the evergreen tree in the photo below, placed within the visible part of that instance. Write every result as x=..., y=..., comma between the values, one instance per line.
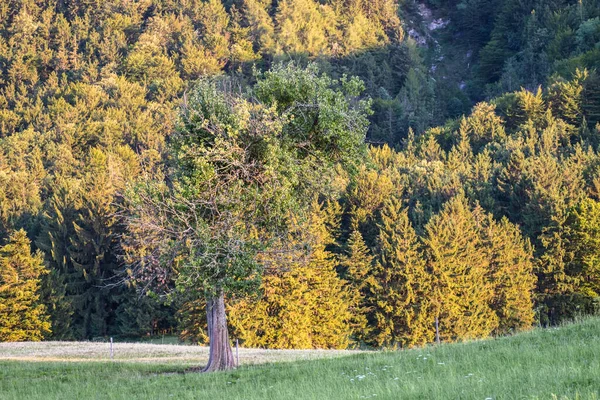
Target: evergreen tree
x=359, y=272
x=402, y=292
x=58, y=286
x=22, y=316
x=510, y=273
x=568, y=271
x=302, y=27
x=457, y=259
x=303, y=304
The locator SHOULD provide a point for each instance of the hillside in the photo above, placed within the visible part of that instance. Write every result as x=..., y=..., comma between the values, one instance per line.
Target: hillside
x=562, y=363
x=325, y=174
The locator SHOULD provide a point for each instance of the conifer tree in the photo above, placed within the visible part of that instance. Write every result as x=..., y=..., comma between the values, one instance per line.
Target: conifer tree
x=359, y=272
x=302, y=27
x=303, y=304
x=402, y=292
x=457, y=259
x=566, y=97
x=22, y=317
x=568, y=270
x=510, y=272
x=93, y=251
x=59, y=285
x=260, y=24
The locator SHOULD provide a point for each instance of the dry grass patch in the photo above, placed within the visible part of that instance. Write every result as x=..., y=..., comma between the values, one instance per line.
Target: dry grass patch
x=147, y=353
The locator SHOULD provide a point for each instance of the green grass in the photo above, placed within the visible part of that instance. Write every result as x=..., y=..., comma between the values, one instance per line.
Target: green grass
x=559, y=363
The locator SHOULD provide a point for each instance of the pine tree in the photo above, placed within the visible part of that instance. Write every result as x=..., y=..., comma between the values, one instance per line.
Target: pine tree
x=402, y=292
x=22, y=317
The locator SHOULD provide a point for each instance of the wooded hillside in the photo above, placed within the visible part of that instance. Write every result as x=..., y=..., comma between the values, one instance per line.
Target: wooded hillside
x=474, y=200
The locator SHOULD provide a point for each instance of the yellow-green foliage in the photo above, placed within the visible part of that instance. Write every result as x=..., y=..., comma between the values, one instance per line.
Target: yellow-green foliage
x=22, y=318
x=584, y=245
x=304, y=303
x=463, y=293
x=368, y=193
x=570, y=269
x=483, y=273
x=358, y=265
x=402, y=289
x=511, y=273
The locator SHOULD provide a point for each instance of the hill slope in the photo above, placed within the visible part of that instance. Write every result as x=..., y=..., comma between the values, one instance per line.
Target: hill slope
x=562, y=362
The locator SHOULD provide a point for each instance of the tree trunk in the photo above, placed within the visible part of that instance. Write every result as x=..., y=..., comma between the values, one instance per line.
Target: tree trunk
x=220, y=353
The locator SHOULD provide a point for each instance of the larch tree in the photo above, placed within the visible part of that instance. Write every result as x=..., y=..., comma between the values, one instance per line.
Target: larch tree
x=242, y=165
x=22, y=316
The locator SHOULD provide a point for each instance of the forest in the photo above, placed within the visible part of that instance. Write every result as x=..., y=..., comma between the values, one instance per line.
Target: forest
x=340, y=173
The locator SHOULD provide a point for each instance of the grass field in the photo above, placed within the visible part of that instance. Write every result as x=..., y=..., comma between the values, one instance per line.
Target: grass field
x=561, y=363
x=181, y=355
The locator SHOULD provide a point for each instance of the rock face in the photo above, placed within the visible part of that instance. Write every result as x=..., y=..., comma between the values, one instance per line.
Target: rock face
x=431, y=24
x=417, y=37
x=424, y=11
x=438, y=24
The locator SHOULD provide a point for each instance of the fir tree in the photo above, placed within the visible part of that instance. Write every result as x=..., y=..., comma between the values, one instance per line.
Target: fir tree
x=303, y=304
x=511, y=274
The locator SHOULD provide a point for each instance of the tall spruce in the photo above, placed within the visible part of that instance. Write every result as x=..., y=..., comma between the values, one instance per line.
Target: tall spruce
x=510, y=273
x=304, y=303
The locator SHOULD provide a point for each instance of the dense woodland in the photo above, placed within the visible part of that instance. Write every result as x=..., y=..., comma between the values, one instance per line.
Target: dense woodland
x=461, y=183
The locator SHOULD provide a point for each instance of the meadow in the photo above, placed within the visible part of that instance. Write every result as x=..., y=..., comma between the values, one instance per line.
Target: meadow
x=554, y=363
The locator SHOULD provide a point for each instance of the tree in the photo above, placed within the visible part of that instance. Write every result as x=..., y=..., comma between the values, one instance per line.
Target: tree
x=403, y=290
x=58, y=286
x=242, y=168
x=22, y=317
x=359, y=272
x=302, y=27
x=569, y=270
x=304, y=303
x=510, y=272
x=457, y=259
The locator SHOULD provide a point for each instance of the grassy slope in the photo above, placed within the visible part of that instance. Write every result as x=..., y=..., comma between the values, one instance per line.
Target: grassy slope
x=564, y=362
